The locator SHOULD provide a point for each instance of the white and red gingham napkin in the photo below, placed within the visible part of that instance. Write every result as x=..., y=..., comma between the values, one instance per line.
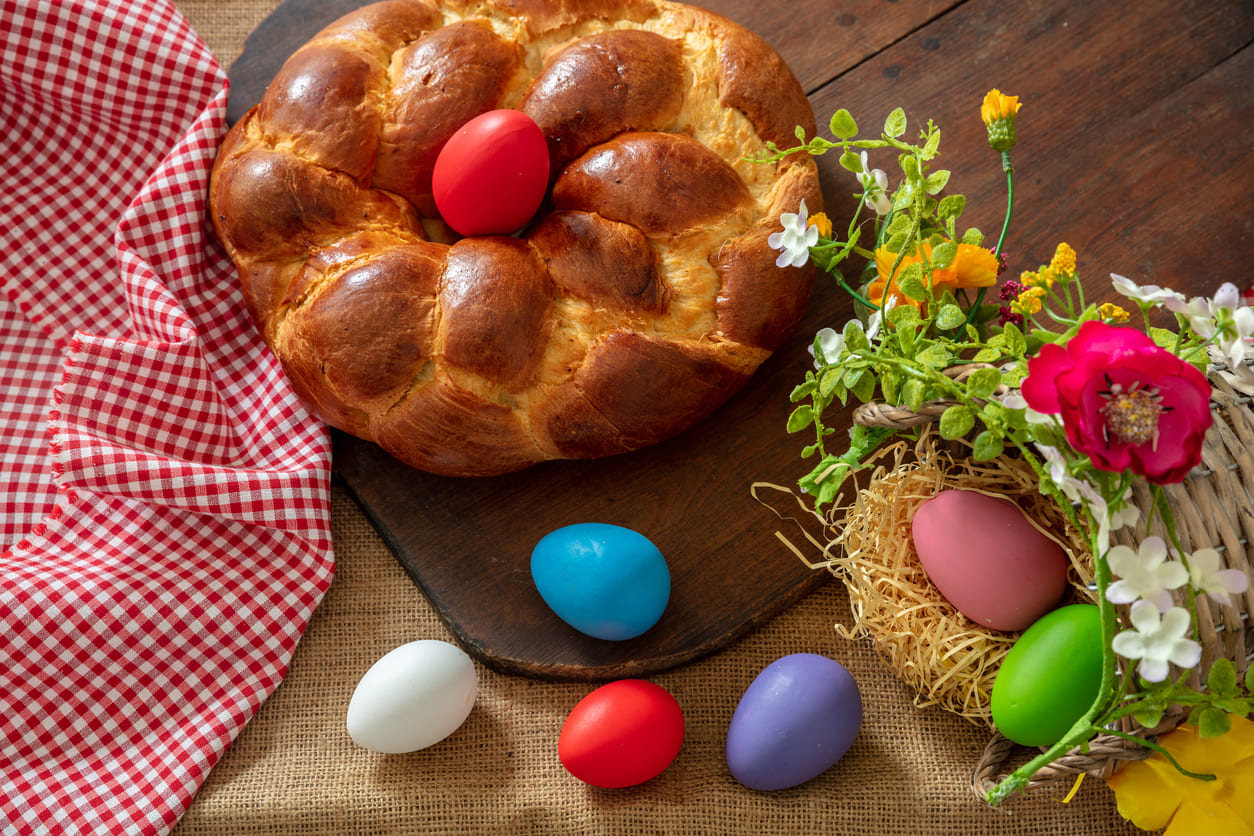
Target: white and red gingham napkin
x=164, y=506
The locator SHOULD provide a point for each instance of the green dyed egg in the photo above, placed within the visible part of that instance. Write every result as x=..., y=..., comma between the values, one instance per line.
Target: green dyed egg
x=1050, y=677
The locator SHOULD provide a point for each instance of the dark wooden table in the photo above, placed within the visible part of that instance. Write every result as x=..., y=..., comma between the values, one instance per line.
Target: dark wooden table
x=1134, y=148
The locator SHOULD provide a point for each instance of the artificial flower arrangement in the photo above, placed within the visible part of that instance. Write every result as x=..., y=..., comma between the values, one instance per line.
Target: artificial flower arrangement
x=1092, y=404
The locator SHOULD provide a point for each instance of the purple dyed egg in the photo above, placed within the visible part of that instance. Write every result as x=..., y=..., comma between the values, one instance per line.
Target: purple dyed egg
x=794, y=722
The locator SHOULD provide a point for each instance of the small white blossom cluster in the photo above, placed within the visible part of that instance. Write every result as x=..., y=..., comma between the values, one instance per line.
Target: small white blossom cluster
x=874, y=184
x=1146, y=578
x=1222, y=319
x=1108, y=516
x=798, y=236
x=1159, y=628
x=831, y=343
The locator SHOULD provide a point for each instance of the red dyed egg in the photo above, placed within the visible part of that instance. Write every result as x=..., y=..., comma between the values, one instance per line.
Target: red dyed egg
x=622, y=734
x=491, y=175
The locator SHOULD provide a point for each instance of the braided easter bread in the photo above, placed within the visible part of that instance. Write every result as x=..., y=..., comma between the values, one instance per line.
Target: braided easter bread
x=641, y=296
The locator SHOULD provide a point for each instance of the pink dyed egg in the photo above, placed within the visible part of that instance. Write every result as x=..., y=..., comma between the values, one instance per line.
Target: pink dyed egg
x=988, y=560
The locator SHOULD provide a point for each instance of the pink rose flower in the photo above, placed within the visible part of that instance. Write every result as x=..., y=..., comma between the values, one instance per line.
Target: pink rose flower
x=1124, y=402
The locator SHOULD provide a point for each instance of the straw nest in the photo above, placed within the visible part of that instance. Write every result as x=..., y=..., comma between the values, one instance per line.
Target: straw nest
x=945, y=657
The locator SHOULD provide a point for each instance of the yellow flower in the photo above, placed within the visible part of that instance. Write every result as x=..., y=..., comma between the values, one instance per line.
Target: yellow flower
x=1029, y=301
x=1112, y=313
x=998, y=112
x=998, y=106
x=1063, y=261
x=1041, y=278
x=1152, y=794
x=971, y=267
x=822, y=223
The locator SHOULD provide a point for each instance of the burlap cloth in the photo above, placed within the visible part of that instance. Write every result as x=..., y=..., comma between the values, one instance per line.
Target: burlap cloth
x=293, y=770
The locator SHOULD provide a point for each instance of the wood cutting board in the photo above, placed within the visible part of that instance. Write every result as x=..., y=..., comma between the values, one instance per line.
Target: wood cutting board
x=467, y=542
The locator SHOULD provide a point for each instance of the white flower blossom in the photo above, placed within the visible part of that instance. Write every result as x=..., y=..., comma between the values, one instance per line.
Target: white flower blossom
x=1127, y=515
x=1084, y=493
x=1014, y=400
x=1233, y=322
x=1070, y=486
x=1145, y=574
x=874, y=183
x=1198, y=313
x=1207, y=578
x=876, y=319
x=796, y=239
x=1150, y=293
x=1222, y=318
x=831, y=344
x=1101, y=514
x=1228, y=296
x=1109, y=516
x=1157, y=641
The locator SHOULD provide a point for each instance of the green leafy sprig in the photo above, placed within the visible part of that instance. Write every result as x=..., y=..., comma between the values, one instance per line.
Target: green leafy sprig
x=916, y=213
x=904, y=361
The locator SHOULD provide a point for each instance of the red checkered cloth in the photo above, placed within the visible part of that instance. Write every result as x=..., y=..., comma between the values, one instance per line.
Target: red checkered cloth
x=164, y=497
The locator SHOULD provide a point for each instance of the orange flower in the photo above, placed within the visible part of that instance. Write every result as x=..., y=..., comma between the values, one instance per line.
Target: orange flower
x=822, y=223
x=997, y=105
x=999, y=112
x=972, y=266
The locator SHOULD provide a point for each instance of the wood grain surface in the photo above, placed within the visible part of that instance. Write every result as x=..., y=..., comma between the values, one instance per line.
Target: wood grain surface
x=1133, y=135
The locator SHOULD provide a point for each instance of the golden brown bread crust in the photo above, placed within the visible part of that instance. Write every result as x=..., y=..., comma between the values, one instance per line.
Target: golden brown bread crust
x=605, y=84
x=639, y=299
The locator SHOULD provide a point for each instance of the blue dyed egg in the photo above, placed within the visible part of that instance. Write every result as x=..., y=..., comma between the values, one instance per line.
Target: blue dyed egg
x=797, y=719
x=604, y=580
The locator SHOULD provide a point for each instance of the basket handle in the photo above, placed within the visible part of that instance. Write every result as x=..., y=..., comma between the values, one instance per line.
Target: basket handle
x=879, y=414
x=1106, y=753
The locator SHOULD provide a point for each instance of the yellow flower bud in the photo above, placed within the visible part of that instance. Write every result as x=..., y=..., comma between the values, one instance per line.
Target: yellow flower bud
x=1029, y=301
x=998, y=106
x=1064, y=260
x=998, y=112
x=1041, y=278
x=1112, y=313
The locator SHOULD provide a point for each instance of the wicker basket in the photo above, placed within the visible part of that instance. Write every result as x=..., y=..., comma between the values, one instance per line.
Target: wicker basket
x=1213, y=506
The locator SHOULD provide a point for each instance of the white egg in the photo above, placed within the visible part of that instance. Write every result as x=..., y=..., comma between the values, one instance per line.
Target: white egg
x=412, y=698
